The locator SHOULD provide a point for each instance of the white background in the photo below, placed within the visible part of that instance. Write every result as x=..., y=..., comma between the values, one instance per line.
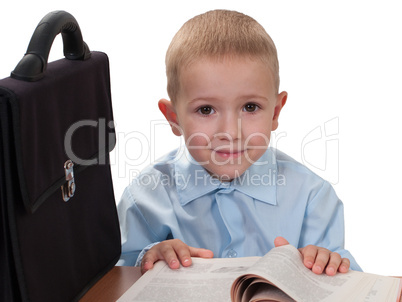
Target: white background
x=340, y=62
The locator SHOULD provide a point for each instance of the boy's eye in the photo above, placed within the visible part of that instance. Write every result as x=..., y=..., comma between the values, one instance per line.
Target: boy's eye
x=206, y=110
x=250, y=107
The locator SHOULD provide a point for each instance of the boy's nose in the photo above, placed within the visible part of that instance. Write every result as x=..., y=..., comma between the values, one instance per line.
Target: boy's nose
x=229, y=128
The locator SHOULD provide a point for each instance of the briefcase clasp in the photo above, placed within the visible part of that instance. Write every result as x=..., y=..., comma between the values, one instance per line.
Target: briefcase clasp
x=68, y=189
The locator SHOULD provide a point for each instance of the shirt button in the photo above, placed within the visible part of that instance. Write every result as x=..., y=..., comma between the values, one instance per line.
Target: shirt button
x=232, y=254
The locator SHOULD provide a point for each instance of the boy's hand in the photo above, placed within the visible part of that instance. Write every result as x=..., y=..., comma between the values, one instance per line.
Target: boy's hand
x=174, y=252
x=319, y=259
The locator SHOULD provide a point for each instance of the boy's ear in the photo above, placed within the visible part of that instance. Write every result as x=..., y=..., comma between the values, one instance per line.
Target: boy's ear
x=280, y=102
x=167, y=108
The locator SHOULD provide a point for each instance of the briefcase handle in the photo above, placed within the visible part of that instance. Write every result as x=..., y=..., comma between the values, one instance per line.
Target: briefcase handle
x=33, y=65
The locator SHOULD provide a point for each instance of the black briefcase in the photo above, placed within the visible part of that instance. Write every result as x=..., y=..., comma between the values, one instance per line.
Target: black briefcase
x=59, y=227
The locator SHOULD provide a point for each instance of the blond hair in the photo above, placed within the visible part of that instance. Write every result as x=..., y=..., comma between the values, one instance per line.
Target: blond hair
x=216, y=34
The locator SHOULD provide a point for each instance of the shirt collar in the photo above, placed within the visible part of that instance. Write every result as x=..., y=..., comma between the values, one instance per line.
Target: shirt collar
x=259, y=181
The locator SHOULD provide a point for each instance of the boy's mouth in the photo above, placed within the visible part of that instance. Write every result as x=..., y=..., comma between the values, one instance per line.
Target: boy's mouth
x=229, y=153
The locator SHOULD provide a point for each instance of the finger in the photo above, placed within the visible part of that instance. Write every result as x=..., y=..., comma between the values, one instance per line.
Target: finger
x=148, y=261
x=309, y=254
x=182, y=251
x=146, y=266
x=186, y=252
x=333, y=264
x=344, y=266
x=321, y=261
x=169, y=254
x=202, y=253
x=279, y=241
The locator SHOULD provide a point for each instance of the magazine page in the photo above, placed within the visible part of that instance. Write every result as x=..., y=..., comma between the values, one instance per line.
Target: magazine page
x=283, y=267
x=205, y=280
x=260, y=290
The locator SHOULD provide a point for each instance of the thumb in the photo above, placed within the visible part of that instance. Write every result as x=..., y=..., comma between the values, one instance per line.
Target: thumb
x=202, y=253
x=279, y=241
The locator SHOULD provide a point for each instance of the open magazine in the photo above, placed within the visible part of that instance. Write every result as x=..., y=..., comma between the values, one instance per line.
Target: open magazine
x=278, y=276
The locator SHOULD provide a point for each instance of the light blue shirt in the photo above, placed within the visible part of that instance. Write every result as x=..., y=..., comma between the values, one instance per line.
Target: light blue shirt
x=276, y=196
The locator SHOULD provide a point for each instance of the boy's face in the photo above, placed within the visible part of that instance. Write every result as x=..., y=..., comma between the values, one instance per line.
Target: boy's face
x=226, y=111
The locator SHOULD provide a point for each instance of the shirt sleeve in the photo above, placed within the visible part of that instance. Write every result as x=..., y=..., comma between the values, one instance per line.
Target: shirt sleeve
x=323, y=224
x=145, y=214
x=136, y=234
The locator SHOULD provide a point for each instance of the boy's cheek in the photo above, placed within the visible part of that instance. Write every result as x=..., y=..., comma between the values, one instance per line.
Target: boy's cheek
x=197, y=141
x=257, y=141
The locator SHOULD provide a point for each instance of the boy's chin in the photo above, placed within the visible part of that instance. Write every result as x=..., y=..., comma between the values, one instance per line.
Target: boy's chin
x=225, y=174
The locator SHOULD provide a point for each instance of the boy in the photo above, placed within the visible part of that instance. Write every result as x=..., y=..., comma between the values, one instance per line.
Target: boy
x=227, y=194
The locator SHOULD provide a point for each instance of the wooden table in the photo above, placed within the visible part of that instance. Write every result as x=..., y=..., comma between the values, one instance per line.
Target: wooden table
x=113, y=285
